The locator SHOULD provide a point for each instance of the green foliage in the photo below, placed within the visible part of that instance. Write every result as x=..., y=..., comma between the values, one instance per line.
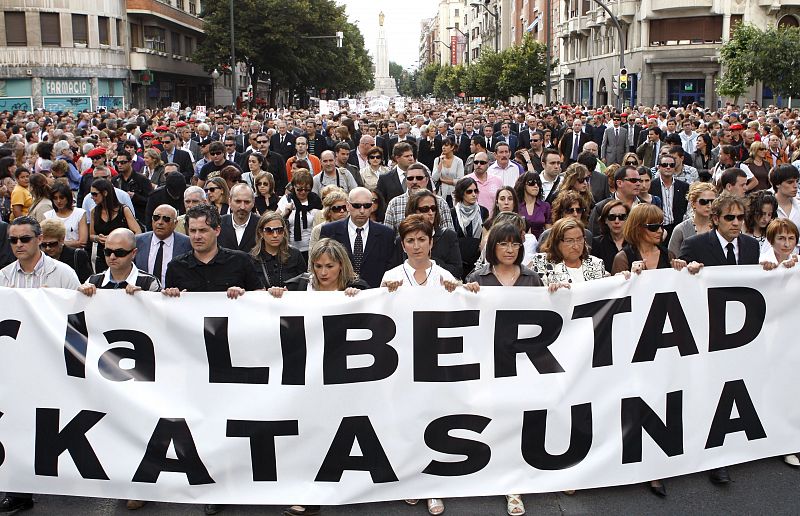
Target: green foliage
x=524, y=66
x=737, y=58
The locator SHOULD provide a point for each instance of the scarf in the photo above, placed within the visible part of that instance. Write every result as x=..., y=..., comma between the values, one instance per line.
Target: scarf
x=469, y=218
x=301, y=213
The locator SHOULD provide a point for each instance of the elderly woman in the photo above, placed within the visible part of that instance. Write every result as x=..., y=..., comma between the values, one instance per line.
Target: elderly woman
x=334, y=207
x=374, y=168
x=612, y=224
x=217, y=192
x=276, y=260
x=700, y=196
x=565, y=258
x=154, y=168
x=53, y=238
x=445, y=251
x=299, y=207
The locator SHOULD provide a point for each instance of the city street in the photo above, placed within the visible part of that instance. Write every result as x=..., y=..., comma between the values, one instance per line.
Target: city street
x=763, y=487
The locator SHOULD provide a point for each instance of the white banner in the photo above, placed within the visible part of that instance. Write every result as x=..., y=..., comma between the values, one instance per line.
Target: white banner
x=318, y=398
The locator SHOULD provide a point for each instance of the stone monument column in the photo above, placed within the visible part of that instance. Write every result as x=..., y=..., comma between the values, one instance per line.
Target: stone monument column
x=384, y=84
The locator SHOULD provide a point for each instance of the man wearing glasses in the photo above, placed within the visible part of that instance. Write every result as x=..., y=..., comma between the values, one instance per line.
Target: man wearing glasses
x=628, y=188
x=218, y=161
x=672, y=192
x=120, y=252
x=156, y=248
x=275, y=163
x=136, y=185
x=172, y=154
x=31, y=269
x=488, y=184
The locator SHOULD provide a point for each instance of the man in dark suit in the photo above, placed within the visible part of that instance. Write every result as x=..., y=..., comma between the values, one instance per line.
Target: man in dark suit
x=462, y=142
x=724, y=245
x=230, y=150
x=672, y=193
x=155, y=249
x=369, y=244
x=171, y=154
x=389, y=184
x=510, y=138
x=567, y=147
x=282, y=142
x=238, y=228
x=403, y=136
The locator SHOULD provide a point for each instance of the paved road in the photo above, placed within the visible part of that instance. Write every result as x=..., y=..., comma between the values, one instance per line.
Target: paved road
x=763, y=487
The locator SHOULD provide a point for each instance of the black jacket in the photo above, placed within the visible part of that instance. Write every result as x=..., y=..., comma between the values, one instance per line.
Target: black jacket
x=141, y=188
x=183, y=161
x=706, y=249
x=79, y=260
x=227, y=235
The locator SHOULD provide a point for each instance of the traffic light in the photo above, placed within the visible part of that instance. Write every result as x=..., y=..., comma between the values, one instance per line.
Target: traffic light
x=623, y=78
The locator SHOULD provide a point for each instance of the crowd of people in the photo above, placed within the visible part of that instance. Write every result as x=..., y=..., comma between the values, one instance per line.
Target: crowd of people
x=449, y=197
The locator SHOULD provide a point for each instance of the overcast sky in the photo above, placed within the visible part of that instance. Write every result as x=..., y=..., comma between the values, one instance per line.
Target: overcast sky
x=402, y=25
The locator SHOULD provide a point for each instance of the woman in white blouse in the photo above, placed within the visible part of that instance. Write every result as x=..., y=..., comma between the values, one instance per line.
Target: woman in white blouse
x=74, y=219
x=447, y=170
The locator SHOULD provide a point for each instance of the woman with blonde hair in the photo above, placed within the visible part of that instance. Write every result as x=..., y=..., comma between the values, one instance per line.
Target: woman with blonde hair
x=154, y=168
x=218, y=194
x=700, y=196
x=576, y=178
x=331, y=271
x=334, y=207
x=759, y=164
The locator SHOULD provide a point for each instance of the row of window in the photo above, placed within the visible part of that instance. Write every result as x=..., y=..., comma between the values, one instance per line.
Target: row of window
x=50, y=27
x=155, y=38
x=194, y=6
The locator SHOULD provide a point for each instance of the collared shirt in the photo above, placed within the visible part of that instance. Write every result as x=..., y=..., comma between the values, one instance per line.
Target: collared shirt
x=171, y=155
x=794, y=213
x=396, y=212
x=487, y=189
x=507, y=175
x=169, y=249
x=110, y=282
x=363, y=161
x=666, y=201
x=239, y=229
x=724, y=244
x=32, y=279
x=351, y=230
x=547, y=185
x=228, y=268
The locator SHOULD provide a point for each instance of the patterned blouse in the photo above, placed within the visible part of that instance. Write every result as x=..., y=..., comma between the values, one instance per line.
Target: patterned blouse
x=551, y=272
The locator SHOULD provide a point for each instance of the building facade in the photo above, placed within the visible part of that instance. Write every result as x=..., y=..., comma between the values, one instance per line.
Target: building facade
x=85, y=54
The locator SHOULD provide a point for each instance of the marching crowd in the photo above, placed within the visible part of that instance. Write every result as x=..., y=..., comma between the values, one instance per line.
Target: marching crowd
x=448, y=196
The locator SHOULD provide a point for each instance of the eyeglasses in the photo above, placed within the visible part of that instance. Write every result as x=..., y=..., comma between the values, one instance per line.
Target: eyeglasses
x=376, y=156
x=262, y=183
x=211, y=190
x=165, y=218
x=633, y=180
x=620, y=217
x=359, y=205
x=94, y=194
x=575, y=210
x=574, y=241
x=415, y=178
x=509, y=245
x=262, y=141
x=655, y=227
x=667, y=165
x=531, y=182
x=48, y=245
x=119, y=253
x=427, y=209
x=471, y=191
x=166, y=141
x=536, y=140
x=580, y=180
x=24, y=239
x=339, y=209
x=272, y=231
x=302, y=189
x=479, y=162
x=704, y=202
x=632, y=163
x=122, y=162
x=728, y=217
x=215, y=153
x=230, y=145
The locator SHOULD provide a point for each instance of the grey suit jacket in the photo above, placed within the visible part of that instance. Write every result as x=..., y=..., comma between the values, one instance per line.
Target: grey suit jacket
x=181, y=246
x=614, y=146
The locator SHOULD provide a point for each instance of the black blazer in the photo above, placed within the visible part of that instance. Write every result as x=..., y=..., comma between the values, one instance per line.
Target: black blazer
x=389, y=185
x=705, y=248
x=227, y=235
x=428, y=152
x=600, y=189
x=285, y=149
x=409, y=139
x=679, y=201
x=377, y=253
x=184, y=163
x=565, y=146
x=462, y=147
x=320, y=144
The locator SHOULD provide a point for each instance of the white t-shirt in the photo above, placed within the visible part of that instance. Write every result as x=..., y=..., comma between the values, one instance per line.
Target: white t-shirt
x=405, y=272
x=71, y=222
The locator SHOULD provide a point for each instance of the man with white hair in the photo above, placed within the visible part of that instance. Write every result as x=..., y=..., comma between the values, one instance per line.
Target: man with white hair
x=403, y=136
x=192, y=196
x=85, y=163
x=62, y=151
x=156, y=248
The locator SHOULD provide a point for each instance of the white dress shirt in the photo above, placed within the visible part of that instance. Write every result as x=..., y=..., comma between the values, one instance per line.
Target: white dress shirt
x=351, y=230
x=724, y=244
x=239, y=229
x=169, y=248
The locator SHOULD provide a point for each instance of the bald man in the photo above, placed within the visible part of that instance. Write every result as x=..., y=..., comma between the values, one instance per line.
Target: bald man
x=155, y=249
x=120, y=252
x=239, y=226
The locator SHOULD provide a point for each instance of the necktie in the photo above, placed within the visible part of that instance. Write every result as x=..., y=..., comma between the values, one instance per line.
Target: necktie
x=577, y=138
x=358, y=251
x=616, y=133
x=730, y=258
x=158, y=265
x=282, y=138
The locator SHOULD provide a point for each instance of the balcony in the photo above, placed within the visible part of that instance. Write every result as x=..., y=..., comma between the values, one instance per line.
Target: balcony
x=668, y=5
x=149, y=59
x=626, y=10
x=584, y=24
x=63, y=57
x=165, y=11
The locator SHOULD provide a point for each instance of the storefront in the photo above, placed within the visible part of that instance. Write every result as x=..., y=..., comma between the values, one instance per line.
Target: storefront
x=16, y=94
x=66, y=94
x=682, y=92
x=111, y=93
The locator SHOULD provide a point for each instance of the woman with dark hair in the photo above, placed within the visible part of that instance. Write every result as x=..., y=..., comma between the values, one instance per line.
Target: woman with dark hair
x=299, y=207
x=504, y=255
x=612, y=224
x=21, y=198
x=447, y=169
x=504, y=200
x=468, y=218
x=702, y=158
x=378, y=210
x=531, y=204
x=374, y=168
x=568, y=204
x=426, y=146
x=40, y=191
x=218, y=192
x=565, y=258
x=266, y=200
x=762, y=208
x=276, y=260
x=445, y=251
x=256, y=164
x=8, y=167
x=645, y=179
x=74, y=219
x=107, y=215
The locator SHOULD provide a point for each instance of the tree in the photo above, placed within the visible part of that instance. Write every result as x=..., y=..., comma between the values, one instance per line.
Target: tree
x=738, y=56
x=524, y=67
x=774, y=64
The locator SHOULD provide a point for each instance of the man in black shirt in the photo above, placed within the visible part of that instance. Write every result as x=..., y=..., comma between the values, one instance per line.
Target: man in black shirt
x=218, y=161
x=208, y=267
x=137, y=185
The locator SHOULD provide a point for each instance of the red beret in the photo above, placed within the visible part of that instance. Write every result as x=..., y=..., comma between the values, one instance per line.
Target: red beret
x=599, y=112
x=566, y=106
x=652, y=116
x=192, y=121
x=181, y=124
x=578, y=112
x=624, y=115
x=96, y=152
x=737, y=127
x=162, y=128
x=148, y=134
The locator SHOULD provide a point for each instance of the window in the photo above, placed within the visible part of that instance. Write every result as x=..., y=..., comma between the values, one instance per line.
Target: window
x=457, y=13
x=155, y=38
x=682, y=31
x=119, y=33
x=188, y=46
x=137, y=39
x=16, y=35
x=80, y=29
x=176, y=43
x=179, y=5
x=102, y=29
x=192, y=7
x=51, y=29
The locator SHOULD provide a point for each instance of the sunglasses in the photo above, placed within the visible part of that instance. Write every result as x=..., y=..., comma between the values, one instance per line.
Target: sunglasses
x=376, y=156
x=581, y=180
x=272, y=231
x=531, y=182
x=667, y=165
x=165, y=218
x=471, y=191
x=262, y=141
x=704, y=202
x=166, y=141
x=576, y=210
x=729, y=218
x=415, y=178
x=24, y=239
x=537, y=140
x=479, y=162
x=302, y=189
x=653, y=227
x=94, y=194
x=119, y=253
x=632, y=163
x=212, y=190
x=123, y=162
x=359, y=205
x=633, y=180
x=215, y=153
x=262, y=183
x=48, y=245
x=622, y=217
x=426, y=209
x=339, y=209
x=230, y=145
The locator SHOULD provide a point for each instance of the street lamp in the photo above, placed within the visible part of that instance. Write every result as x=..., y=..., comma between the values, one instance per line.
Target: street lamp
x=234, y=86
x=446, y=45
x=466, y=37
x=496, y=16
